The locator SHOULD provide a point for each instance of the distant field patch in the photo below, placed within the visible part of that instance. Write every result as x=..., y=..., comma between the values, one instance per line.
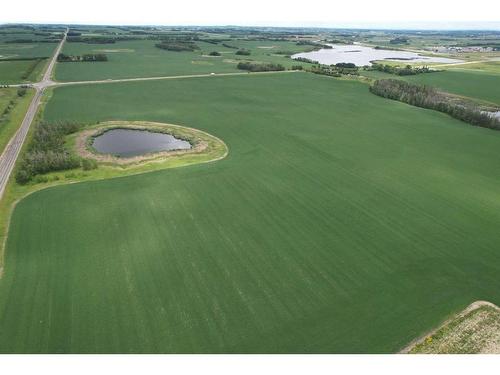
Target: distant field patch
x=127, y=50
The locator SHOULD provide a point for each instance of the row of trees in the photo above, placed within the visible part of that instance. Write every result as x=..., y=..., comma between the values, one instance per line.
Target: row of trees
x=336, y=70
x=46, y=151
x=83, y=58
x=177, y=46
x=260, y=67
x=31, y=68
x=243, y=52
x=316, y=45
x=306, y=60
x=408, y=70
x=429, y=97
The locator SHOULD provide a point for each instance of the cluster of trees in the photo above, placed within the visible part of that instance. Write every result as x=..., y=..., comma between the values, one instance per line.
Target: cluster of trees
x=408, y=70
x=33, y=41
x=314, y=44
x=177, y=45
x=429, y=97
x=7, y=110
x=260, y=67
x=214, y=53
x=338, y=41
x=83, y=58
x=229, y=46
x=306, y=60
x=243, y=52
x=336, y=70
x=399, y=40
x=100, y=39
x=46, y=151
x=210, y=40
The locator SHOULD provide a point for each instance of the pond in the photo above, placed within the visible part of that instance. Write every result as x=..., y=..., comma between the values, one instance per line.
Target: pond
x=134, y=142
x=361, y=55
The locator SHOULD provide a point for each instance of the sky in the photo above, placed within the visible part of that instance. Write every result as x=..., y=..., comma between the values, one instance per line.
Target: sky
x=433, y=14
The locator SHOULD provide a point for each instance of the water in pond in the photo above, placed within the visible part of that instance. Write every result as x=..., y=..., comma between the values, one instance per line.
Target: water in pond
x=361, y=55
x=131, y=142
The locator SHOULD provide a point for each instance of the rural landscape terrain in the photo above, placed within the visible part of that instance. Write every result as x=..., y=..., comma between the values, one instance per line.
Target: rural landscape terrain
x=249, y=190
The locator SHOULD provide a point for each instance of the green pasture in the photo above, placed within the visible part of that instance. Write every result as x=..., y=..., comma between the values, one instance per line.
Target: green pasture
x=340, y=222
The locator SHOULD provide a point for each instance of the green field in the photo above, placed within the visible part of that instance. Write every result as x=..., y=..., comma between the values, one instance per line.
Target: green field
x=475, y=84
x=143, y=59
x=19, y=50
x=10, y=122
x=326, y=229
x=20, y=71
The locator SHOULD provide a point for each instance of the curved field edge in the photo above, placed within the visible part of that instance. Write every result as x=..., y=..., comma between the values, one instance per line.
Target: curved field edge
x=476, y=329
x=216, y=150
x=320, y=233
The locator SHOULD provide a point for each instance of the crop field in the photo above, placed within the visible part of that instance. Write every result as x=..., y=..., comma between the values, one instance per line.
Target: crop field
x=142, y=59
x=325, y=231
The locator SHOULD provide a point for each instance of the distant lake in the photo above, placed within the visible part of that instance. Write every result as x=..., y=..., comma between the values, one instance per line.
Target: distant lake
x=361, y=55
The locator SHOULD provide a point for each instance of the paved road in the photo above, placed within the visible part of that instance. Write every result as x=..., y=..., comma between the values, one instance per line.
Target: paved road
x=13, y=148
x=51, y=83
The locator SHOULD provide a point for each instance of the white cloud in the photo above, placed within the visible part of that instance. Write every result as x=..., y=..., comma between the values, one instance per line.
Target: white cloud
x=255, y=12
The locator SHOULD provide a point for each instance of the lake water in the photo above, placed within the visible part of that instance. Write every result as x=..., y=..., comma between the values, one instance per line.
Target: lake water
x=361, y=55
x=131, y=142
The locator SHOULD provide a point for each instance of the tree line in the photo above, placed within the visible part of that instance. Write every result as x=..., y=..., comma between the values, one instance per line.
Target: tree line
x=408, y=70
x=96, y=57
x=177, y=46
x=260, y=67
x=429, y=97
x=336, y=70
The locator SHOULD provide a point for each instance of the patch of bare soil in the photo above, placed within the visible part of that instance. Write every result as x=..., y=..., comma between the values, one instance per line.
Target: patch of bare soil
x=474, y=330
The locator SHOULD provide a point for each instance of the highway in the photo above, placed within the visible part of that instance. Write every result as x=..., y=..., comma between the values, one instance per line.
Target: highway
x=13, y=148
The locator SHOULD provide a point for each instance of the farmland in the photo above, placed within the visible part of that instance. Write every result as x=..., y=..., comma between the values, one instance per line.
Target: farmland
x=309, y=216
x=322, y=231
x=140, y=58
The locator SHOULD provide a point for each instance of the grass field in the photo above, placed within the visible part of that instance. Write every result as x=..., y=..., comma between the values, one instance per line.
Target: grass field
x=10, y=122
x=12, y=50
x=475, y=84
x=20, y=71
x=143, y=59
x=326, y=229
